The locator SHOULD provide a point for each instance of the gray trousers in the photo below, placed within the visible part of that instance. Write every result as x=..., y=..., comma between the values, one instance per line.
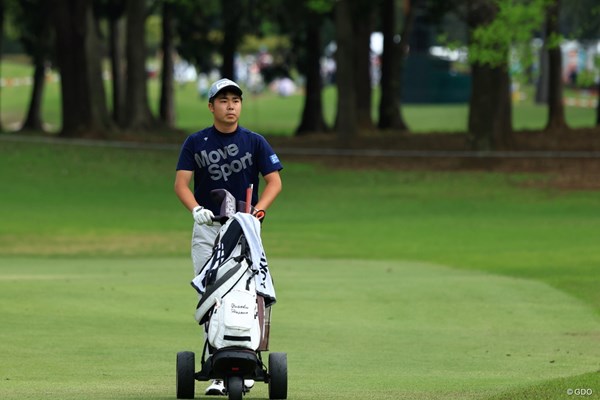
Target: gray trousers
x=203, y=240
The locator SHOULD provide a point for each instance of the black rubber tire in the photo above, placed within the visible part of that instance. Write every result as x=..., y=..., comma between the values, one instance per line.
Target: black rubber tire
x=278, y=376
x=235, y=387
x=186, y=365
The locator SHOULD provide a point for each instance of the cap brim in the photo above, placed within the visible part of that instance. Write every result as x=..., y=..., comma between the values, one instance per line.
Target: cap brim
x=230, y=88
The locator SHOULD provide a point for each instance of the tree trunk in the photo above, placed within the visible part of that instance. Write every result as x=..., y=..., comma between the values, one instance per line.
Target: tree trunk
x=541, y=86
x=231, y=13
x=312, y=114
x=139, y=116
x=362, y=59
x=118, y=67
x=490, y=108
x=392, y=60
x=598, y=106
x=490, y=112
x=84, y=110
x=2, y=12
x=346, y=119
x=167, y=96
x=33, y=121
x=556, y=108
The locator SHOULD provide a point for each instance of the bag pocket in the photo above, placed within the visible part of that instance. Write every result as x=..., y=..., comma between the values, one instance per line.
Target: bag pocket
x=235, y=321
x=239, y=310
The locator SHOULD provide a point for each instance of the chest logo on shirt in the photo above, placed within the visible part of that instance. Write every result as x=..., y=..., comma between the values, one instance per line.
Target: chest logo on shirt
x=222, y=163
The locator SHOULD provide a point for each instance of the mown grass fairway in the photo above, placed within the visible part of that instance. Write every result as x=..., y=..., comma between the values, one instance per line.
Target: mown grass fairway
x=104, y=328
x=414, y=285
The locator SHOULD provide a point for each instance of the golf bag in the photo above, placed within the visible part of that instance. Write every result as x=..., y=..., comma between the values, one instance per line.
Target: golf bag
x=234, y=320
x=231, y=282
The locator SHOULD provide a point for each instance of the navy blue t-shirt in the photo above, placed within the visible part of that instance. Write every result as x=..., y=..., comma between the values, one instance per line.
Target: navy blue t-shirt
x=229, y=161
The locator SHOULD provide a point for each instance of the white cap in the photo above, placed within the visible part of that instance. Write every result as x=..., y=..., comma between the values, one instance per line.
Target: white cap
x=223, y=84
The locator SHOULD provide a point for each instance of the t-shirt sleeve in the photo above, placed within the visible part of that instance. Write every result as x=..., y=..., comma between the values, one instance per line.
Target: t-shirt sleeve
x=268, y=160
x=186, y=156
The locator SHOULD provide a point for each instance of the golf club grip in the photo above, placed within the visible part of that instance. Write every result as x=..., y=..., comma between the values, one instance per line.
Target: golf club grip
x=220, y=218
x=249, y=198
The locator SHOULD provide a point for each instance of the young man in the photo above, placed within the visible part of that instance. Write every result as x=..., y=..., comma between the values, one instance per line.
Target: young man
x=223, y=156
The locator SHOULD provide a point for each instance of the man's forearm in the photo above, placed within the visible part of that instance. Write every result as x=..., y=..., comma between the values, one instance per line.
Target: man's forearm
x=186, y=197
x=271, y=191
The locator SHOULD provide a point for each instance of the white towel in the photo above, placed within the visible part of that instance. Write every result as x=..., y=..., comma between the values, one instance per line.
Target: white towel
x=251, y=228
x=264, y=283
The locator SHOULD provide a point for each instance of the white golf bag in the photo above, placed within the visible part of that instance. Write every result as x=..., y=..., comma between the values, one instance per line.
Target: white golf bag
x=228, y=287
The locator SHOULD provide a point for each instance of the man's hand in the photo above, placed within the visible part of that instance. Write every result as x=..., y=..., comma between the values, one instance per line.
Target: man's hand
x=202, y=216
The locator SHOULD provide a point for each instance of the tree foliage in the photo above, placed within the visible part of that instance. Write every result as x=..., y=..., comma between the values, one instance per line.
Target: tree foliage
x=580, y=19
x=197, y=32
x=516, y=21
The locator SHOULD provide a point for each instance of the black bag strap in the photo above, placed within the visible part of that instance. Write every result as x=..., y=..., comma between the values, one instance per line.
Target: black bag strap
x=212, y=288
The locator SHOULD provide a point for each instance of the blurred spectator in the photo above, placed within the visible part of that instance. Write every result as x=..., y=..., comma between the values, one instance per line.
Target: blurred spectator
x=184, y=72
x=203, y=84
x=285, y=86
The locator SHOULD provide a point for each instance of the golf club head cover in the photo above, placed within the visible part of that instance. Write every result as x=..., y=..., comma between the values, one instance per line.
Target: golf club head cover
x=241, y=207
x=226, y=200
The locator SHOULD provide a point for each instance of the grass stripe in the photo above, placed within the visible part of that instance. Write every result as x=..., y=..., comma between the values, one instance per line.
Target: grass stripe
x=110, y=328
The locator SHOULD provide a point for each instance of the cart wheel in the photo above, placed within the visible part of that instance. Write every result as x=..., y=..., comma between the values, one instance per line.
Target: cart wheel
x=278, y=376
x=185, y=374
x=235, y=387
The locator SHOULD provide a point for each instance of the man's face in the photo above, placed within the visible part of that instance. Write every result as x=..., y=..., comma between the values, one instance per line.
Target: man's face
x=226, y=108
